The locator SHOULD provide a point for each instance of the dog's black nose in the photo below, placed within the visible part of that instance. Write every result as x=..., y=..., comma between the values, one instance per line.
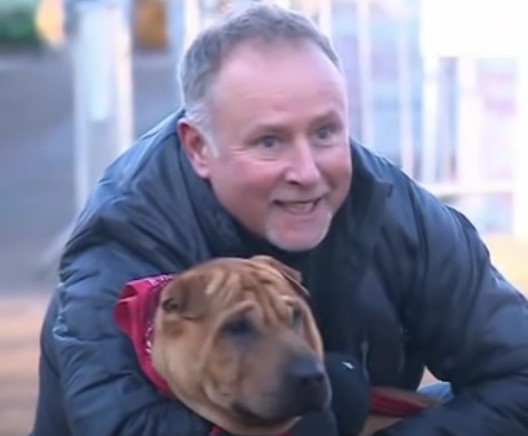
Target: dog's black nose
x=307, y=382
x=306, y=372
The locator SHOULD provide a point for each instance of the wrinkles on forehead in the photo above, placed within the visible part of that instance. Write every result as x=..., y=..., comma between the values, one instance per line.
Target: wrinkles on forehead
x=251, y=281
x=245, y=277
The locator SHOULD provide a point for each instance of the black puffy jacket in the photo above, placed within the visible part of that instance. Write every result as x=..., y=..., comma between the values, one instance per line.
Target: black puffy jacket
x=399, y=274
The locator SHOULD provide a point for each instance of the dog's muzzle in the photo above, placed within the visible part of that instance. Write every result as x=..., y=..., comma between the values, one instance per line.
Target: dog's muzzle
x=306, y=385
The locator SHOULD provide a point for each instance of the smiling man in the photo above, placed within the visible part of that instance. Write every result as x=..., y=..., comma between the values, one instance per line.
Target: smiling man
x=275, y=147
x=259, y=161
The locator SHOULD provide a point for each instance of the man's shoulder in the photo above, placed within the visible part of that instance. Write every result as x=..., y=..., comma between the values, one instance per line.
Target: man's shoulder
x=379, y=167
x=148, y=153
x=408, y=203
x=141, y=205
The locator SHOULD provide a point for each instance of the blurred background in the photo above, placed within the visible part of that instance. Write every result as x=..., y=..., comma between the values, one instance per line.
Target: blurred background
x=438, y=86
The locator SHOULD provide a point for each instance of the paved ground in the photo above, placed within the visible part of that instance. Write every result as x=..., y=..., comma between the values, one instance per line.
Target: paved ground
x=21, y=318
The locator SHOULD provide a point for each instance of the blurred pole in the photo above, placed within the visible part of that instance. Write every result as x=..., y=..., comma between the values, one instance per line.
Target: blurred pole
x=102, y=89
x=430, y=56
x=469, y=131
x=431, y=102
x=176, y=37
x=405, y=96
x=101, y=65
x=520, y=174
x=183, y=24
x=325, y=17
x=366, y=106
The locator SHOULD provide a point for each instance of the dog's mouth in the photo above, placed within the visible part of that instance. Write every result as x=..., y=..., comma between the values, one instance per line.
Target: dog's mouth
x=281, y=416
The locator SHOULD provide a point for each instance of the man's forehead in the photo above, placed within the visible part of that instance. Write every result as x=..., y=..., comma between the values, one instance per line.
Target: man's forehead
x=253, y=63
x=256, y=83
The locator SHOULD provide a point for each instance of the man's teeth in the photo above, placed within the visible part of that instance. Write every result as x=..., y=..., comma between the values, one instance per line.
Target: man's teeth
x=299, y=206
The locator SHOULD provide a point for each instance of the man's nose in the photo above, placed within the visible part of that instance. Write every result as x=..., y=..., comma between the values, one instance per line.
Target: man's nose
x=303, y=169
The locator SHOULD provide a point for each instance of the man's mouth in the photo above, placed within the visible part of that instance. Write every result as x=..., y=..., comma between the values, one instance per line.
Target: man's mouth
x=299, y=207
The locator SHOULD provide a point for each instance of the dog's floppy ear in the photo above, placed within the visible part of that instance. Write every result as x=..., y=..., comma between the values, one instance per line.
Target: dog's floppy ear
x=291, y=274
x=185, y=295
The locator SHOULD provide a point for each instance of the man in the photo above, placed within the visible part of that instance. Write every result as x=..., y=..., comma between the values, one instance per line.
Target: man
x=260, y=162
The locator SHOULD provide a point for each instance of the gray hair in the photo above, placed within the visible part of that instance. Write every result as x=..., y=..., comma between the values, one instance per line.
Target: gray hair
x=259, y=22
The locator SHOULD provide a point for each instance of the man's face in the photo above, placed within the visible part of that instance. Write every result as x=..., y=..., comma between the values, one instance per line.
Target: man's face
x=281, y=163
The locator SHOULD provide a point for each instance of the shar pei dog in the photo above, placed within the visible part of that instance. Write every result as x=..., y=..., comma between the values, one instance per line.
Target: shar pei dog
x=235, y=341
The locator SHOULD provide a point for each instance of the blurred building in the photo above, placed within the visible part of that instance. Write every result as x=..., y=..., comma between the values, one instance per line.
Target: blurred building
x=442, y=105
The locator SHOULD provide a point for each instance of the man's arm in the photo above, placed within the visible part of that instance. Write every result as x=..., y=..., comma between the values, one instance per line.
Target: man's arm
x=471, y=326
x=105, y=392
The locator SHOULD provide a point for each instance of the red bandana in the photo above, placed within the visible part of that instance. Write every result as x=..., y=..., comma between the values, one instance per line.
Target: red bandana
x=134, y=313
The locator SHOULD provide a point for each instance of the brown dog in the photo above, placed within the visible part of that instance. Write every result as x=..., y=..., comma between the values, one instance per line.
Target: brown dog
x=236, y=343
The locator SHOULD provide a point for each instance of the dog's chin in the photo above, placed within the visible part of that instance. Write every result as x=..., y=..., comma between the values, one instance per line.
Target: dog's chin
x=252, y=419
x=284, y=412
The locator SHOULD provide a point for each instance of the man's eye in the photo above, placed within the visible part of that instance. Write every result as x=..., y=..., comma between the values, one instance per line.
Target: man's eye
x=324, y=133
x=269, y=141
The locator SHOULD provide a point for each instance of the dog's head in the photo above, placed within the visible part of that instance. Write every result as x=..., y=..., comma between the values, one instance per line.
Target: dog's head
x=236, y=342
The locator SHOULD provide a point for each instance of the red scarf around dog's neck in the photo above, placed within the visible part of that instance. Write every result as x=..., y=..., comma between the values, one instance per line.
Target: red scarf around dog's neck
x=134, y=314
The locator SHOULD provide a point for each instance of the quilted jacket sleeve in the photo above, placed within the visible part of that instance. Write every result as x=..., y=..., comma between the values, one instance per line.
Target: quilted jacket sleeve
x=105, y=392
x=471, y=325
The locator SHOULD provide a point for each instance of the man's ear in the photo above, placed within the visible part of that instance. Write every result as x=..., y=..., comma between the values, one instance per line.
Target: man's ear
x=185, y=296
x=195, y=146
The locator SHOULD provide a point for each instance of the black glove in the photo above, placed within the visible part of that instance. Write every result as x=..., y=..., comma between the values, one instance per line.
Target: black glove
x=350, y=393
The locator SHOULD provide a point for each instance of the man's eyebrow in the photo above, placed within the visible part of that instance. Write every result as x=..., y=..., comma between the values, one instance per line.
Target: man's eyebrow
x=328, y=115
x=278, y=126
x=270, y=125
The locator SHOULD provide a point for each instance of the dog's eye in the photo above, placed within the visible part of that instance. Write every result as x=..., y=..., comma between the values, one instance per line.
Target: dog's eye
x=297, y=317
x=170, y=305
x=238, y=327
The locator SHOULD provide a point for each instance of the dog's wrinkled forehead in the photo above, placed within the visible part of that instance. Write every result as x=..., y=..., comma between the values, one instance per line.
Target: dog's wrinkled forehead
x=225, y=281
x=258, y=274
